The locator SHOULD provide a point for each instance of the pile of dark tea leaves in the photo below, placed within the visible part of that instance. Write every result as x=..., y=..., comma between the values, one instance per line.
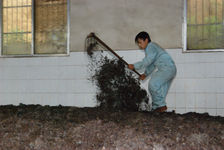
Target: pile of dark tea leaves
x=118, y=87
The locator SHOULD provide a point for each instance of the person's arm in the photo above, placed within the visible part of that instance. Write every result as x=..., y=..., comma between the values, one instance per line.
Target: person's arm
x=149, y=69
x=144, y=63
x=148, y=60
x=142, y=76
x=147, y=72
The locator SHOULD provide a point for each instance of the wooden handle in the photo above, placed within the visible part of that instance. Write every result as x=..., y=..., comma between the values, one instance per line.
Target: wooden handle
x=101, y=42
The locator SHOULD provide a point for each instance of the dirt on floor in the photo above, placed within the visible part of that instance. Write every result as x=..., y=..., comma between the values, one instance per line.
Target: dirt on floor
x=35, y=127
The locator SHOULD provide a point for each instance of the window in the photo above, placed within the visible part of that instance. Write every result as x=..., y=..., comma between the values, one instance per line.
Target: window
x=204, y=25
x=34, y=27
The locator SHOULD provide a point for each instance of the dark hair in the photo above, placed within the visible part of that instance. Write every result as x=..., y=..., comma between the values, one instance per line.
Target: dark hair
x=142, y=35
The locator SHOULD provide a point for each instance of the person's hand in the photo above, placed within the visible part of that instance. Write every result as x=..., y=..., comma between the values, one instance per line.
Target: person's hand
x=142, y=77
x=131, y=66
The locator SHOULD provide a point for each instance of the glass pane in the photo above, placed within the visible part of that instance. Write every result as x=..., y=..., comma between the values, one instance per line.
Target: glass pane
x=219, y=11
x=17, y=23
x=50, y=26
x=205, y=24
x=16, y=44
x=206, y=11
x=16, y=3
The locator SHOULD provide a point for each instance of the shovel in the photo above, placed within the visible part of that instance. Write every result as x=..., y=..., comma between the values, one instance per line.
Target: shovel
x=107, y=47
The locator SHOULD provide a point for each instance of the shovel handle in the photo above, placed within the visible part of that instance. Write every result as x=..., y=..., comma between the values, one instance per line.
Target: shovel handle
x=101, y=42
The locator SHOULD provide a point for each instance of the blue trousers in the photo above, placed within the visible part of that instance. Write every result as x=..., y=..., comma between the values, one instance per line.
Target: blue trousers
x=159, y=85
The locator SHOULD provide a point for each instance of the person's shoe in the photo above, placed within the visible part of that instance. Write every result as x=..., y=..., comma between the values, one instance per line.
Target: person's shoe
x=160, y=109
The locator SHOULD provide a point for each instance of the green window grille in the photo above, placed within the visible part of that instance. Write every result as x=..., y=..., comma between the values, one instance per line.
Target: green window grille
x=34, y=27
x=205, y=24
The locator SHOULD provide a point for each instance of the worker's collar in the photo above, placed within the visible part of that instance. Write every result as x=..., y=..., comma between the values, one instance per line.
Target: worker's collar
x=148, y=45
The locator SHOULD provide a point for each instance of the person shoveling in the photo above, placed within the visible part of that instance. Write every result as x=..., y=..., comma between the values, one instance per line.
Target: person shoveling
x=156, y=58
x=128, y=95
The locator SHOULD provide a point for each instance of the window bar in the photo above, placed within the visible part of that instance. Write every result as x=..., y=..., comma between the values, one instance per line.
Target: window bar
x=203, y=26
x=1, y=25
x=16, y=6
x=216, y=30
x=196, y=23
x=68, y=26
x=12, y=11
x=47, y=32
x=223, y=23
x=184, y=31
x=7, y=27
x=32, y=32
x=27, y=25
x=188, y=27
x=209, y=18
x=191, y=20
x=17, y=20
x=22, y=17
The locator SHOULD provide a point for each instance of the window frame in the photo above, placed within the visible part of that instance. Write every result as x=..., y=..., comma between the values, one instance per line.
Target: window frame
x=33, y=43
x=184, y=36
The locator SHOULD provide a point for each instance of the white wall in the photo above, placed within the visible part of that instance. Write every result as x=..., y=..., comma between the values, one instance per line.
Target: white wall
x=118, y=21
x=46, y=81
x=198, y=86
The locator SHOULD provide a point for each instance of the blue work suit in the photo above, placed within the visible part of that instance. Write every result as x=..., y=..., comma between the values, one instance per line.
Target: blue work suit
x=157, y=57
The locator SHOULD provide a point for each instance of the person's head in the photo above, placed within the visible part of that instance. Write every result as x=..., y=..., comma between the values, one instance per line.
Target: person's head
x=142, y=39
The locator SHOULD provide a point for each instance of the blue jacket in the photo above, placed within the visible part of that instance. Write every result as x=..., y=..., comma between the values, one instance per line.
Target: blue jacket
x=155, y=57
